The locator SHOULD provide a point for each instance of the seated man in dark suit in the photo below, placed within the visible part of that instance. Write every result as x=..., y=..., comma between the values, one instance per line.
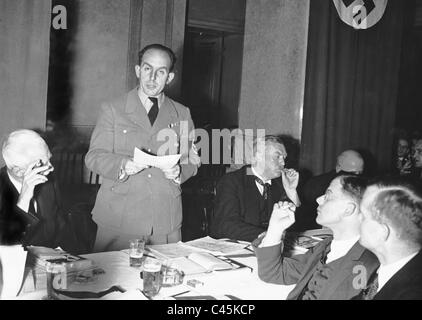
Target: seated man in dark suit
x=29, y=206
x=328, y=270
x=349, y=161
x=245, y=198
x=392, y=229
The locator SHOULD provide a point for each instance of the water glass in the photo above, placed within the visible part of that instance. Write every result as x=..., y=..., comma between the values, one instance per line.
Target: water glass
x=171, y=276
x=136, y=252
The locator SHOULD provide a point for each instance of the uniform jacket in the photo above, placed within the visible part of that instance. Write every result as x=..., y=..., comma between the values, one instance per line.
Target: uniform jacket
x=147, y=200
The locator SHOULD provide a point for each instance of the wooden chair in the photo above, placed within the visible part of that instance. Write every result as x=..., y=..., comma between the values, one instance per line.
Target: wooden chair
x=79, y=187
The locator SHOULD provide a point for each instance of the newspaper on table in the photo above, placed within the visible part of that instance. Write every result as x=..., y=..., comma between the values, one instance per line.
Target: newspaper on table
x=161, y=162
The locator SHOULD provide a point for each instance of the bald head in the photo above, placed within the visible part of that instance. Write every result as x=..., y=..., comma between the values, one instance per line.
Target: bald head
x=350, y=161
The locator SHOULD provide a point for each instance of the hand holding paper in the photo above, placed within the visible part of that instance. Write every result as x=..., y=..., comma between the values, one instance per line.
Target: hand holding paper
x=161, y=162
x=172, y=173
x=132, y=167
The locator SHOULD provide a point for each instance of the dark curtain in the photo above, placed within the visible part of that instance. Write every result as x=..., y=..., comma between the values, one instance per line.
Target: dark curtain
x=351, y=87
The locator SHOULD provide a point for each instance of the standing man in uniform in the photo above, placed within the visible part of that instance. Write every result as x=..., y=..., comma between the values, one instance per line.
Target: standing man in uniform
x=135, y=200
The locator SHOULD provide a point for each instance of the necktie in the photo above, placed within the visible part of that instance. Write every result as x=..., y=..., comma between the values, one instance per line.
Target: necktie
x=153, y=112
x=372, y=289
x=266, y=187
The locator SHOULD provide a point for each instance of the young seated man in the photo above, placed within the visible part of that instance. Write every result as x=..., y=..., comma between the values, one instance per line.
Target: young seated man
x=245, y=197
x=329, y=270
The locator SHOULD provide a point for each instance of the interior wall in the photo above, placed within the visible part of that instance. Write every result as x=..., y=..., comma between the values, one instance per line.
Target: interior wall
x=274, y=64
x=99, y=67
x=107, y=34
x=24, y=52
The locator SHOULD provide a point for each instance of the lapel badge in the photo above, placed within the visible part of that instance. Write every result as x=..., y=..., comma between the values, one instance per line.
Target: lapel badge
x=172, y=125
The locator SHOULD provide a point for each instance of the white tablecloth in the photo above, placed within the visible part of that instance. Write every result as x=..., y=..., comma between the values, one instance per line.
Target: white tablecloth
x=240, y=283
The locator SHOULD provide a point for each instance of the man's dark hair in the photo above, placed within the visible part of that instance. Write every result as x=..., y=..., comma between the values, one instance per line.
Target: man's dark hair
x=353, y=186
x=161, y=47
x=399, y=205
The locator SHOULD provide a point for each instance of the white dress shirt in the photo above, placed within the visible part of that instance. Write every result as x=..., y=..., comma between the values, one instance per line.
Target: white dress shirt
x=258, y=185
x=386, y=272
x=339, y=248
x=147, y=102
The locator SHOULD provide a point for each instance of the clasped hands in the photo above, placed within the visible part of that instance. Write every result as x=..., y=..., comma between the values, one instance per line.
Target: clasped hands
x=131, y=168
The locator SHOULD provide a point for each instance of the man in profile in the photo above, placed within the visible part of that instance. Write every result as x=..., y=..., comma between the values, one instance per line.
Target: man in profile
x=136, y=200
x=392, y=229
x=326, y=271
x=348, y=162
x=245, y=198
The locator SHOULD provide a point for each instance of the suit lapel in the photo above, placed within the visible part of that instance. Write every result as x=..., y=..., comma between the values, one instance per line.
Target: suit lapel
x=317, y=254
x=355, y=256
x=135, y=110
x=403, y=277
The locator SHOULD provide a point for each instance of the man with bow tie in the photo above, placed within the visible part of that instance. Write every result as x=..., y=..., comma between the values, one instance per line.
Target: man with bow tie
x=135, y=200
x=245, y=198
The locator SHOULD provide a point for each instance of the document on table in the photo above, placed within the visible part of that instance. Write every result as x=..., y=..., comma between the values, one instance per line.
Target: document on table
x=161, y=162
x=219, y=247
x=171, y=250
x=12, y=259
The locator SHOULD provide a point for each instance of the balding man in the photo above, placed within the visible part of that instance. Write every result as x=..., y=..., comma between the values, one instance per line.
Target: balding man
x=391, y=227
x=29, y=208
x=348, y=162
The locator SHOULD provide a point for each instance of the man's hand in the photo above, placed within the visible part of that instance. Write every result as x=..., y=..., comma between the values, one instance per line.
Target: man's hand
x=131, y=168
x=172, y=173
x=32, y=177
x=282, y=217
x=290, y=178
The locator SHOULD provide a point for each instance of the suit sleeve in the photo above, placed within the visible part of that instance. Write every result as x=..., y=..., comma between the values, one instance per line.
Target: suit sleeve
x=228, y=222
x=101, y=157
x=187, y=168
x=273, y=267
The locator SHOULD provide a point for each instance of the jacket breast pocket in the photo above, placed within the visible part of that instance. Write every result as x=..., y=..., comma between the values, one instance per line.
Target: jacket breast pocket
x=126, y=138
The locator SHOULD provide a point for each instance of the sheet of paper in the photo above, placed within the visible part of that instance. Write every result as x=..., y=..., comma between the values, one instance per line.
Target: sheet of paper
x=12, y=259
x=216, y=246
x=161, y=162
x=171, y=250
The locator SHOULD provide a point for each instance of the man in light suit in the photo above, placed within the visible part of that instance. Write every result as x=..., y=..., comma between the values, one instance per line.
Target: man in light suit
x=392, y=229
x=328, y=270
x=135, y=200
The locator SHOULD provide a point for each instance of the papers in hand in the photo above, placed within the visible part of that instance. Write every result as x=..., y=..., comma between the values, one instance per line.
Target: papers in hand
x=161, y=162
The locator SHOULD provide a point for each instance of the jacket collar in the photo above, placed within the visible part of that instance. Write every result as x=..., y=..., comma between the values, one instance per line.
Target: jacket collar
x=137, y=113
